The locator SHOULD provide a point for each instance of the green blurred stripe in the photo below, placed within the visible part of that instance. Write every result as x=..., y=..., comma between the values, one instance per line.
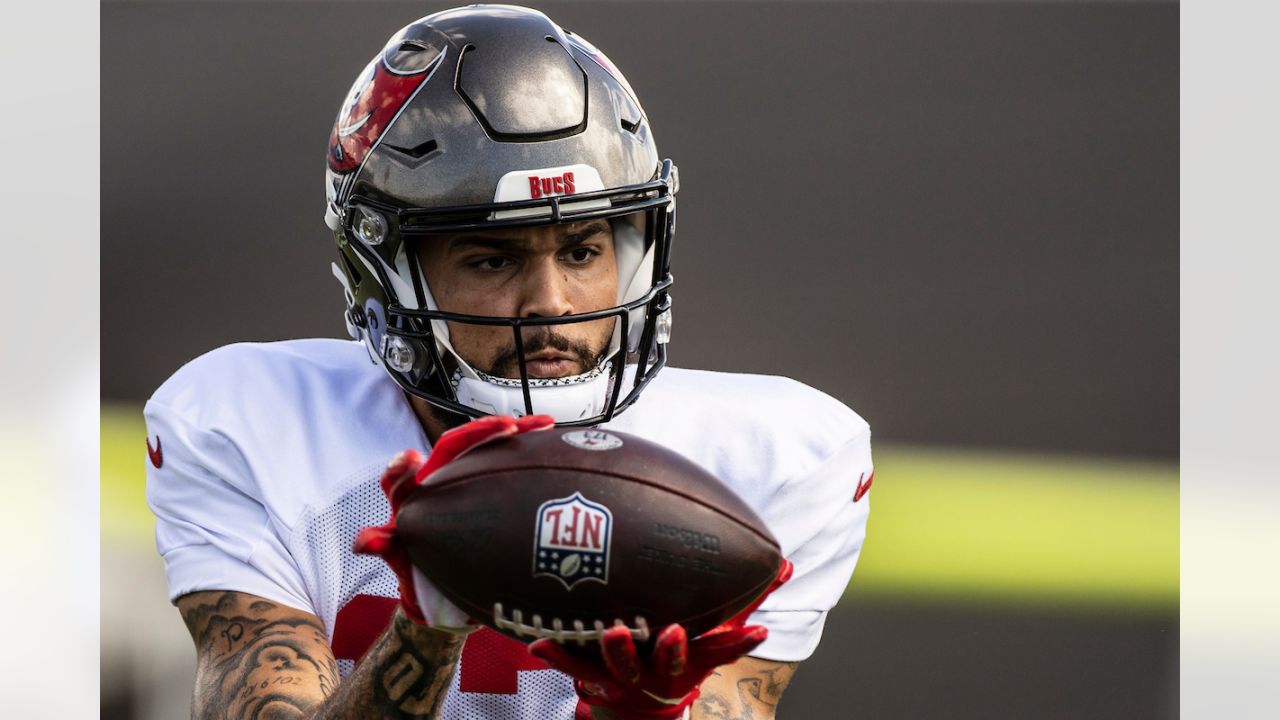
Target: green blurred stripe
x=126, y=519
x=950, y=524
x=1018, y=525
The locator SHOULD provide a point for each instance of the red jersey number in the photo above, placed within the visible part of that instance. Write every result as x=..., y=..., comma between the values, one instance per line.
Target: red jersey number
x=490, y=662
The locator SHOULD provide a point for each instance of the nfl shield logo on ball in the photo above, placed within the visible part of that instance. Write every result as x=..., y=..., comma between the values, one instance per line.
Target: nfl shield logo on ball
x=571, y=540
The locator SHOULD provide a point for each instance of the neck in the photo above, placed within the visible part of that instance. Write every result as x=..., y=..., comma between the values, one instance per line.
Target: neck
x=429, y=417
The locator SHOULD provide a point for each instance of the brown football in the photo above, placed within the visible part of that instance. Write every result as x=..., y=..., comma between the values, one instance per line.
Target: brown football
x=563, y=532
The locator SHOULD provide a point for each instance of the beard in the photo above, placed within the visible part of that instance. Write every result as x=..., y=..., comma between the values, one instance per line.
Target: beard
x=507, y=362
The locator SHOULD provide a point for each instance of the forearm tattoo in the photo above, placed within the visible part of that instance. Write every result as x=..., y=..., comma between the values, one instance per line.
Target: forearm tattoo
x=255, y=659
x=405, y=675
x=261, y=661
x=749, y=695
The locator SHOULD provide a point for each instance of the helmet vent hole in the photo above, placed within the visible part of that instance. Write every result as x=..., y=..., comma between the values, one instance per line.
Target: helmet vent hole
x=418, y=151
x=410, y=46
x=352, y=272
x=629, y=126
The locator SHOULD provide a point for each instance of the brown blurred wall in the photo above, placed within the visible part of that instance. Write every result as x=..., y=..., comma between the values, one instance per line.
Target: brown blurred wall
x=961, y=219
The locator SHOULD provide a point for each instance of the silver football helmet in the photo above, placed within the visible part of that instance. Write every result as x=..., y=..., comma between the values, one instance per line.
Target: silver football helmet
x=493, y=116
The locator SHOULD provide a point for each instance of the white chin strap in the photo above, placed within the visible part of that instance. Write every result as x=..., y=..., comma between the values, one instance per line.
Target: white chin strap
x=566, y=399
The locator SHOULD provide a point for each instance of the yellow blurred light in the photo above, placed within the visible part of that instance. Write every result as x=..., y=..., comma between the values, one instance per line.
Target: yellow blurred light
x=945, y=524
x=1021, y=526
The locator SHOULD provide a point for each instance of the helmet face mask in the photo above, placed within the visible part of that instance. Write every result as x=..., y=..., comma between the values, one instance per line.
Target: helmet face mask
x=516, y=165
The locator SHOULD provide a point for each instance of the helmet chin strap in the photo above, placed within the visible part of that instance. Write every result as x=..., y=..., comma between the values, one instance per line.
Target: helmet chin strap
x=566, y=398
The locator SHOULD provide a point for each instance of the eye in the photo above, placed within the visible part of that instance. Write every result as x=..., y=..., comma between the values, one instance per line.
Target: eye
x=491, y=263
x=581, y=255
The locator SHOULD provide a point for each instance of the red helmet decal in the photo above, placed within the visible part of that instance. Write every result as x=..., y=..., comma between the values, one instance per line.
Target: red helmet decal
x=374, y=102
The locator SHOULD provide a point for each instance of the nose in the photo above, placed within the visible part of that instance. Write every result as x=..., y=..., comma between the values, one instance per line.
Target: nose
x=545, y=292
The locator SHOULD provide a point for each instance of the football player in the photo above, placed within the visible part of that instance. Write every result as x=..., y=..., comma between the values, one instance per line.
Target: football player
x=504, y=227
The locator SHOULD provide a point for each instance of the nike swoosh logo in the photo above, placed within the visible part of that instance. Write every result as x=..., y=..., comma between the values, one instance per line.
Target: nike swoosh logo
x=863, y=485
x=156, y=454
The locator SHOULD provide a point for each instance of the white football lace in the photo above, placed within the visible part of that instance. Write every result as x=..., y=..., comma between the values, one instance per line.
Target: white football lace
x=576, y=631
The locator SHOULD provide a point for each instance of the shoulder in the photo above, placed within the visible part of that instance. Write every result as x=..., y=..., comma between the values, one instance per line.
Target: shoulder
x=755, y=431
x=768, y=399
x=253, y=413
x=260, y=374
x=762, y=408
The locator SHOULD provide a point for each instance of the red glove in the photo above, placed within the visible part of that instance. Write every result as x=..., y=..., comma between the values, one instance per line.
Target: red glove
x=662, y=685
x=406, y=472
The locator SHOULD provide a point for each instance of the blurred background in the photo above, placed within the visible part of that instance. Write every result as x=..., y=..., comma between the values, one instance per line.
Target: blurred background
x=958, y=218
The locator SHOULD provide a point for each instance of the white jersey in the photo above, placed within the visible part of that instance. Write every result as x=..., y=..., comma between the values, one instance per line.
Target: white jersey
x=266, y=461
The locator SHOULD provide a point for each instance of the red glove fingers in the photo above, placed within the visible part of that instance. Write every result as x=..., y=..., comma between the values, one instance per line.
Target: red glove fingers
x=456, y=441
x=722, y=648
x=662, y=685
x=620, y=656
x=582, y=668
x=657, y=687
x=398, y=479
x=671, y=651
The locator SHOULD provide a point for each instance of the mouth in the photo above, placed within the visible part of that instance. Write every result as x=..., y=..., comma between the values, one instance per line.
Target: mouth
x=547, y=356
x=552, y=364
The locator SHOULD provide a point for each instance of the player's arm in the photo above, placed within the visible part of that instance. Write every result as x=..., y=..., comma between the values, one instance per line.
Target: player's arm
x=255, y=657
x=258, y=659
x=749, y=689
x=746, y=690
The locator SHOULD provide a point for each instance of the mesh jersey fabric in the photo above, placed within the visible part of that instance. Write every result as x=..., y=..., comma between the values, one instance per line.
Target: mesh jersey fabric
x=272, y=454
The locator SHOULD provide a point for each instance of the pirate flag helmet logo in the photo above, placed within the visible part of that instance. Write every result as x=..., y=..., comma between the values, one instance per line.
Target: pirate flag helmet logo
x=378, y=96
